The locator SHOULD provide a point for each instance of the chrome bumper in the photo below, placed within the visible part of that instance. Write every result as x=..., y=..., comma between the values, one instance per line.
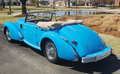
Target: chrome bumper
x=97, y=56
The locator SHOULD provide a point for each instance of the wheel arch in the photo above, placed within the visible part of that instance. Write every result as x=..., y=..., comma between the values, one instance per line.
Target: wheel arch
x=63, y=49
x=43, y=42
x=14, y=33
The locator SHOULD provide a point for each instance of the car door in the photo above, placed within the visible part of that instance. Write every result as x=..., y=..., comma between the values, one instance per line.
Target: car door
x=29, y=33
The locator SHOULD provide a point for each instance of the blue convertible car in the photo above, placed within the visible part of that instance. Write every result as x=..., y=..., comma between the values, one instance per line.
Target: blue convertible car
x=69, y=40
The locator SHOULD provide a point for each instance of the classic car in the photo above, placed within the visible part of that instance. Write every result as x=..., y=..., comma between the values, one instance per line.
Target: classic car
x=69, y=40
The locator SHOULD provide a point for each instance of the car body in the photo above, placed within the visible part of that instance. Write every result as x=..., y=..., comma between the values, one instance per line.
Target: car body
x=67, y=40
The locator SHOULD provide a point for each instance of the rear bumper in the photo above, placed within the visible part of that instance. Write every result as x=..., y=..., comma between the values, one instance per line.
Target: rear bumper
x=97, y=56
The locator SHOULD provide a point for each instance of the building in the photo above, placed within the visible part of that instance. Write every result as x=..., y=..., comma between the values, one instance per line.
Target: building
x=117, y=2
x=62, y=2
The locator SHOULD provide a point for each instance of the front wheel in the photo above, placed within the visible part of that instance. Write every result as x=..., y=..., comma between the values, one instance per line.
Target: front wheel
x=51, y=52
x=7, y=34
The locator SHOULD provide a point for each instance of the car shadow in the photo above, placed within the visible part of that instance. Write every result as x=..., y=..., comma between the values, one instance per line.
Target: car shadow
x=108, y=65
x=27, y=46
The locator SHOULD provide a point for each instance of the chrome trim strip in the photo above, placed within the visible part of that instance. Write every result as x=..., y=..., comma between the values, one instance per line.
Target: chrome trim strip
x=73, y=49
x=64, y=39
x=31, y=25
x=20, y=36
x=72, y=28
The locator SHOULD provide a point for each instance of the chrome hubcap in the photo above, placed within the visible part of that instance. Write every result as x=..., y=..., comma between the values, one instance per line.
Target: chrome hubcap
x=50, y=51
x=8, y=34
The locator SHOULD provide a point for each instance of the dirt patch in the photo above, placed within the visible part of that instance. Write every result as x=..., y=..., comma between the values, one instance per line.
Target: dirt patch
x=53, y=8
x=21, y=15
x=1, y=10
x=105, y=23
x=10, y=12
x=99, y=30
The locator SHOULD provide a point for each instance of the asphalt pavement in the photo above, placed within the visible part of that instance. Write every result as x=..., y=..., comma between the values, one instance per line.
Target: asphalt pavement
x=19, y=58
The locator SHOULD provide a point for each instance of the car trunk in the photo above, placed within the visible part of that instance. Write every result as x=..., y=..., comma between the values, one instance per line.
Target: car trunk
x=86, y=40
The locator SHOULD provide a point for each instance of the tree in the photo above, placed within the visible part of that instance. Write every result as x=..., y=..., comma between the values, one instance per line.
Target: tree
x=9, y=7
x=33, y=1
x=0, y=5
x=94, y=3
x=68, y=3
x=3, y=3
x=37, y=2
x=23, y=6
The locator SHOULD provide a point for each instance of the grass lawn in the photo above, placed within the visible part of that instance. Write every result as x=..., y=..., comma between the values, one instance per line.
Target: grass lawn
x=112, y=41
x=4, y=19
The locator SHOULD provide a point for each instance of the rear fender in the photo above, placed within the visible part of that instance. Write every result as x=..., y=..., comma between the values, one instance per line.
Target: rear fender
x=63, y=49
x=14, y=33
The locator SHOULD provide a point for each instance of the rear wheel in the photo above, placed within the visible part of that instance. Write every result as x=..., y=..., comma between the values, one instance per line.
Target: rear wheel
x=7, y=34
x=50, y=52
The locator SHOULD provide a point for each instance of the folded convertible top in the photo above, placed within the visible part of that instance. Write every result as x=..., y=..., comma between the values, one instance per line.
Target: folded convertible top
x=53, y=25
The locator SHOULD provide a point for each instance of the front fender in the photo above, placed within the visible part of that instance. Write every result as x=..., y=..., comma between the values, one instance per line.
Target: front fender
x=14, y=33
x=63, y=49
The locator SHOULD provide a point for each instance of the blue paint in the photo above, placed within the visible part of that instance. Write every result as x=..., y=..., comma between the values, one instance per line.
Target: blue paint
x=14, y=33
x=86, y=41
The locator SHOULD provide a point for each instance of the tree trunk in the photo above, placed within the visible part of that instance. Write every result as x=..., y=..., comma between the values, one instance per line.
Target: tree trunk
x=37, y=4
x=94, y=3
x=10, y=5
x=68, y=3
x=113, y=3
x=3, y=3
x=0, y=6
x=23, y=7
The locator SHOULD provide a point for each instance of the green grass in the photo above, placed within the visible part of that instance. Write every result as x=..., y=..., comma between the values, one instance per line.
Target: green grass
x=4, y=19
x=112, y=41
x=115, y=6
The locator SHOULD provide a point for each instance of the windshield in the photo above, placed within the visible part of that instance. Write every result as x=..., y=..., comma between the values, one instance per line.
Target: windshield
x=39, y=16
